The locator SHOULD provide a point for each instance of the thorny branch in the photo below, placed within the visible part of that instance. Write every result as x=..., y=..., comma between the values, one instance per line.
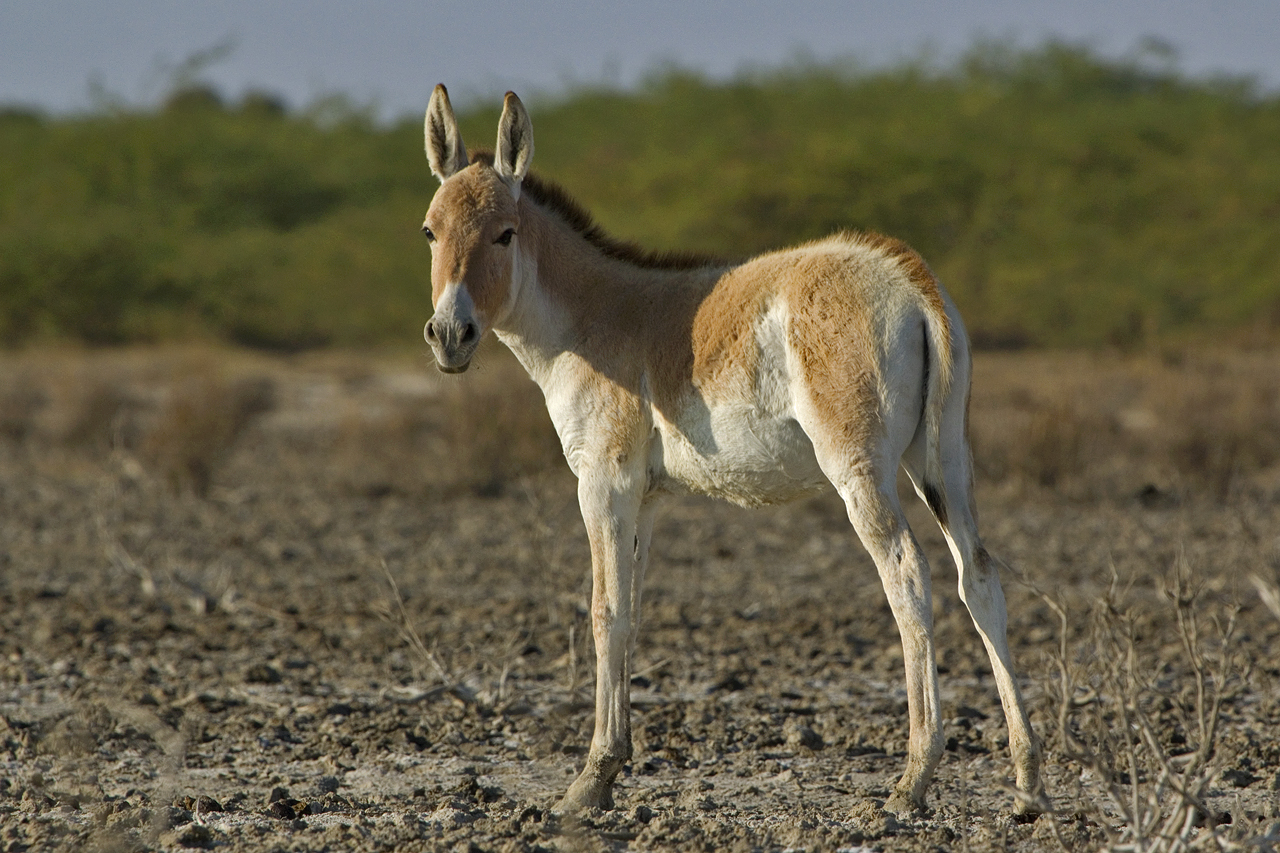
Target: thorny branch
x=1106, y=721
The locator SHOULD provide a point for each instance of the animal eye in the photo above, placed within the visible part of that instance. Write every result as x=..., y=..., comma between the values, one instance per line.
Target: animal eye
x=504, y=239
x=431, y=237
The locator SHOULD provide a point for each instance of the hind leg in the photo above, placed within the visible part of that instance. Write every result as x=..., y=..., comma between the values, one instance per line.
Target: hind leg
x=981, y=592
x=873, y=508
x=983, y=595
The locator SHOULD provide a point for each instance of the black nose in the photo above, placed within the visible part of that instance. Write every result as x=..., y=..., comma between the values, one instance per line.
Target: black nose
x=431, y=330
x=469, y=333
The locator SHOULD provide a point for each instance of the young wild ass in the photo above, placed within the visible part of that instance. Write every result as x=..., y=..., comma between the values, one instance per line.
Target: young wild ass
x=834, y=362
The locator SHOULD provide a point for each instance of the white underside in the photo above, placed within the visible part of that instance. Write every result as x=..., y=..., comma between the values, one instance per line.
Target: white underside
x=748, y=451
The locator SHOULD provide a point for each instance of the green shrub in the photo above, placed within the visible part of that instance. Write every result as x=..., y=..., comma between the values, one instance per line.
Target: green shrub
x=1065, y=199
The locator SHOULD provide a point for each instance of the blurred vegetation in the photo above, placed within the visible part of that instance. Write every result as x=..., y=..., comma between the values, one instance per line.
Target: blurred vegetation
x=1064, y=198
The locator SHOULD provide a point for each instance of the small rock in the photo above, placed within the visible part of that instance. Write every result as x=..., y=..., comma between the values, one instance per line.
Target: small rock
x=202, y=804
x=643, y=814
x=1239, y=778
x=1151, y=496
x=799, y=735
x=261, y=673
x=128, y=818
x=194, y=835
x=730, y=684
x=330, y=802
x=471, y=789
x=1215, y=819
x=280, y=809
x=177, y=816
x=288, y=809
x=694, y=798
x=453, y=814
x=870, y=819
x=36, y=801
x=327, y=784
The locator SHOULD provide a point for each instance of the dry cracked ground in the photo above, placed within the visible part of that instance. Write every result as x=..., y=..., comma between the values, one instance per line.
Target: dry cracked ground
x=334, y=602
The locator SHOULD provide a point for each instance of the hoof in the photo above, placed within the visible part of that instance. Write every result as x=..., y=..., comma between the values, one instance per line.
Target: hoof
x=901, y=805
x=1028, y=807
x=585, y=794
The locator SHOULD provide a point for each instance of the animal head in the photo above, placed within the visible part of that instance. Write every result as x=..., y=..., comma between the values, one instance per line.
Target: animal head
x=474, y=228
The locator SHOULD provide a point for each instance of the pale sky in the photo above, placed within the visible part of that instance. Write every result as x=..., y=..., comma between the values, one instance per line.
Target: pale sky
x=390, y=53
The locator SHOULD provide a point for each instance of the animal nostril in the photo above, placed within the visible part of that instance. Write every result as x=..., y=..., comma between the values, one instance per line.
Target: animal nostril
x=431, y=330
x=469, y=334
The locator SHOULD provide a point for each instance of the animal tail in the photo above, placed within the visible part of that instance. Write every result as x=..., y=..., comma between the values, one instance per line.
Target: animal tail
x=939, y=373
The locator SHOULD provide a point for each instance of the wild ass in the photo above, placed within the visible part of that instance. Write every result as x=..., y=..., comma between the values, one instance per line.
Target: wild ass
x=833, y=362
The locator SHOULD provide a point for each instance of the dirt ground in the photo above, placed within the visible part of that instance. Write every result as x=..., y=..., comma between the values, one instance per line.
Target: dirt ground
x=336, y=602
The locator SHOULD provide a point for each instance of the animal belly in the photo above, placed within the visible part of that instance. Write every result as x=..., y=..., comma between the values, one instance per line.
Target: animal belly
x=741, y=457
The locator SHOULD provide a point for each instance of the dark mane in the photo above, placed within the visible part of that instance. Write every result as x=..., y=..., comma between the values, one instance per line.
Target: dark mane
x=554, y=199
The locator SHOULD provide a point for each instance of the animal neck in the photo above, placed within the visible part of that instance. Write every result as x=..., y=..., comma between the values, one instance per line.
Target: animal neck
x=575, y=297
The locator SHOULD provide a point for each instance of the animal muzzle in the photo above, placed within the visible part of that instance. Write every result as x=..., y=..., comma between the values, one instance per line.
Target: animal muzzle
x=453, y=341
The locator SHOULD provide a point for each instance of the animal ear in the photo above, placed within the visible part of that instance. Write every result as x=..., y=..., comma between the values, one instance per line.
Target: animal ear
x=445, y=151
x=515, y=142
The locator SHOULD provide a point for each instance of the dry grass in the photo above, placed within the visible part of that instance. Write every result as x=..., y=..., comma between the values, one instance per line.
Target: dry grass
x=198, y=423
x=382, y=426
x=476, y=433
x=181, y=410
x=497, y=428
x=20, y=403
x=1106, y=425
x=1139, y=725
x=1088, y=426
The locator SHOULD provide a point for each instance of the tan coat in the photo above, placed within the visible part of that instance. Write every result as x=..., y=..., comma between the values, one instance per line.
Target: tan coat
x=829, y=364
